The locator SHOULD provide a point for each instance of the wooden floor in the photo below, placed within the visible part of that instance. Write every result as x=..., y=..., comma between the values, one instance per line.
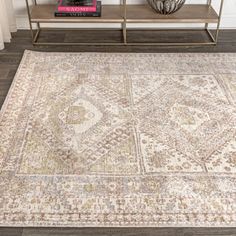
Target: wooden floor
x=10, y=58
x=117, y=232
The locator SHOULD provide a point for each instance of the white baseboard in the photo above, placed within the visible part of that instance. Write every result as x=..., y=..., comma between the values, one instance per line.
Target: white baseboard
x=22, y=22
x=228, y=22
x=13, y=27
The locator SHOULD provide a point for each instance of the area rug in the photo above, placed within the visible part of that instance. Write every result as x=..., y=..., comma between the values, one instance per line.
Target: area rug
x=119, y=140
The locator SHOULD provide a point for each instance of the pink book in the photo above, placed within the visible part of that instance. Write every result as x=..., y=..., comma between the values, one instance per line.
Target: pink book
x=62, y=8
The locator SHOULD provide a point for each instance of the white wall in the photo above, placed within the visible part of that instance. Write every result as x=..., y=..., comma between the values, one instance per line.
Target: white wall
x=228, y=19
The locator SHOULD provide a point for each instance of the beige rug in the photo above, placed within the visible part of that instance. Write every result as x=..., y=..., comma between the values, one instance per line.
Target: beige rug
x=95, y=139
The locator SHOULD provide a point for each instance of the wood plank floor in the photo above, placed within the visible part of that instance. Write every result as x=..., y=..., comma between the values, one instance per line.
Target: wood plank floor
x=9, y=60
x=117, y=232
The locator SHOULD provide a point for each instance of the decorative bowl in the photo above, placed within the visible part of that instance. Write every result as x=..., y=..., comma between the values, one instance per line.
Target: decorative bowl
x=166, y=6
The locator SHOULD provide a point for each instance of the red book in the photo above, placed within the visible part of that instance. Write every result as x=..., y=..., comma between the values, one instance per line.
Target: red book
x=63, y=8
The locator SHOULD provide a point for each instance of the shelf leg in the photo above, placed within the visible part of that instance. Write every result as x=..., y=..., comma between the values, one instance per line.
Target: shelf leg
x=215, y=39
x=29, y=18
x=124, y=33
x=36, y=36
x=219, y=20
x=209, y=5
x=124, y=23
x=211, y=36
x=38, y=25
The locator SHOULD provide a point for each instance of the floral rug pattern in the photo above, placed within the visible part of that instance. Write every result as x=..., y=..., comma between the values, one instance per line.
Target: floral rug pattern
x=98, y=139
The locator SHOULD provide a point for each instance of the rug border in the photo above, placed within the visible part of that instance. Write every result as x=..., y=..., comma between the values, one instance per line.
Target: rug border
x=13, y=84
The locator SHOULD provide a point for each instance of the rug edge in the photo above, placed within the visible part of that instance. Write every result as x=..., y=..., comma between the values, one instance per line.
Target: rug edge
x=13, y=84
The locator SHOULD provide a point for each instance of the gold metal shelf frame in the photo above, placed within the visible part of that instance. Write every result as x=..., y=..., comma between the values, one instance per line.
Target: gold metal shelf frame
x=128, y=14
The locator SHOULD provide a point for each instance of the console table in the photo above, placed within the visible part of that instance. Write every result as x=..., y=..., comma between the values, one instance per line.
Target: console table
x=126, y=15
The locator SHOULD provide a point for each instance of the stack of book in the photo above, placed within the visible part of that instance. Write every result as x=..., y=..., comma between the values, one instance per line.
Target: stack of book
x=78, y=8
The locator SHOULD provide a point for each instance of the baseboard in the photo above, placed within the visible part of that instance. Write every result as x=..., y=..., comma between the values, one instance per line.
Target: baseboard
x=13, y=27
x=228, y=22
x=22, y=22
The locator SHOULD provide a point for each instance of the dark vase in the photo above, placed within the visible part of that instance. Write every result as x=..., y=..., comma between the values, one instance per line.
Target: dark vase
x=166, y=6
